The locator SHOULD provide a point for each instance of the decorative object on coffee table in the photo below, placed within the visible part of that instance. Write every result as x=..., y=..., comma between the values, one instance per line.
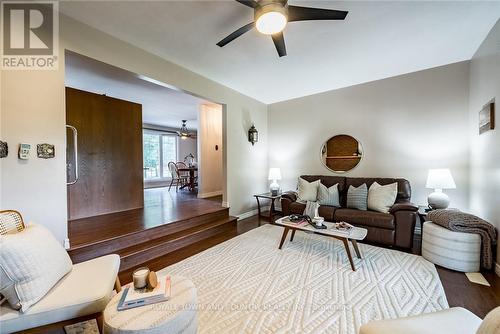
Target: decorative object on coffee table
x=274, y=176
x=345, y=235
x=439, y=179
x=45, y=151
x=83, y=327
x=177, y=315
x=272, y=209
x=4, y=149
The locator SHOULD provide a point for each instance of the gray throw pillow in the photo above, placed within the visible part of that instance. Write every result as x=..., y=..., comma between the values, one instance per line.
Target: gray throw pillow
x=357, y=198
x=328, y=196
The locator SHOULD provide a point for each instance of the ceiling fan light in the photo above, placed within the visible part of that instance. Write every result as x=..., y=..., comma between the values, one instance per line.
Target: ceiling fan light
x=271, y=23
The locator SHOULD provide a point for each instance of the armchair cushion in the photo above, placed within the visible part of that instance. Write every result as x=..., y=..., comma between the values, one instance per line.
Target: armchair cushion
x=455, y=320
x=85, y=290
x=32, y=262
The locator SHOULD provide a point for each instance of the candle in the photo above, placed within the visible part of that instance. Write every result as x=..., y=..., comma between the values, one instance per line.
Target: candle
x=140, y=276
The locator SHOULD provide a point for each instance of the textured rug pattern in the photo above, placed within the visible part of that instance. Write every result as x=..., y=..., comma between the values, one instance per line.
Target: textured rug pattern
x=248, y=285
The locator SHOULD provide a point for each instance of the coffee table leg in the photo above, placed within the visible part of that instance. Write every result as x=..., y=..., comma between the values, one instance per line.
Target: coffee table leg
x=293, y=235
x=285, y=232
x=356, y=249
x=348, y=251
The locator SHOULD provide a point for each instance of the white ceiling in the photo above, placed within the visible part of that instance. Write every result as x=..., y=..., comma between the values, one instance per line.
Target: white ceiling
x=160, y=105
x=377, y=40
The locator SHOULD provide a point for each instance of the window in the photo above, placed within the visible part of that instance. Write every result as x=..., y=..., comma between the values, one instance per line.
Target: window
x=159, y=148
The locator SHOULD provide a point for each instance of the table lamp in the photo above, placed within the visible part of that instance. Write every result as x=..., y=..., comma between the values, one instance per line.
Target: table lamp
x=439, y=179
x=274, y=175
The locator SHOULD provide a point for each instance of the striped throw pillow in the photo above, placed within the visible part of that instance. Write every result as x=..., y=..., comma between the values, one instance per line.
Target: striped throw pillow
x=357, y=198
x=328, y=196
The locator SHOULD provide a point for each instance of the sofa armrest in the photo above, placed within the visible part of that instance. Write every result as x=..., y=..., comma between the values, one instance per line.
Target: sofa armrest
x=291, y=195
x=405, y=206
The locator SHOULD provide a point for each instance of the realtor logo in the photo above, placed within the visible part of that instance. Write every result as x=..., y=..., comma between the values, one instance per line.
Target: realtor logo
x=29, y=35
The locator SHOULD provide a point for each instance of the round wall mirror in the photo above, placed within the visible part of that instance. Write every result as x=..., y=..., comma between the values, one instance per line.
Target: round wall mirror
x=341, y=153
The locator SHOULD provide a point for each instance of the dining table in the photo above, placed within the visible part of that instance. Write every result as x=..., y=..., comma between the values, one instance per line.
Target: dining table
x=192, y=178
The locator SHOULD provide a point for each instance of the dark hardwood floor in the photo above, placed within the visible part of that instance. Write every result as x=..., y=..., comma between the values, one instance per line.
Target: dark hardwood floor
x=160, y=207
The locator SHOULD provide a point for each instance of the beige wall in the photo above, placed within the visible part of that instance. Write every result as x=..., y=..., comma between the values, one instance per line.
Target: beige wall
x=406, y=124
x=210, y=160
x=485, y=148
x=33, y=111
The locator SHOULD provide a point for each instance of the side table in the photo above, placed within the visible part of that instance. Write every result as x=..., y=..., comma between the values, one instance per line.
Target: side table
x=272, y=211
x=177, y=315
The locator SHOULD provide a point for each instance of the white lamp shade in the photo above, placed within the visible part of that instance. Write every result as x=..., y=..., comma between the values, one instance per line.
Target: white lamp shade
x=440, y=179
x=274, y=174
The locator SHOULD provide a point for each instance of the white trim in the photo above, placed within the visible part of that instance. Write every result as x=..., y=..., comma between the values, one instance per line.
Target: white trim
x=248, y=214
x=225, y=204
x=210, y=194
x=497, y=269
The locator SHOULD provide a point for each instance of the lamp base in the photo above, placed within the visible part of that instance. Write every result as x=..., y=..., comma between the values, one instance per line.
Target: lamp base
x=438, y=200
x=274, y=188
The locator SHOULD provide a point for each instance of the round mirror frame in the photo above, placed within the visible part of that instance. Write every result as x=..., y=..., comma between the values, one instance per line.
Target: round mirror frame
x=344, y=157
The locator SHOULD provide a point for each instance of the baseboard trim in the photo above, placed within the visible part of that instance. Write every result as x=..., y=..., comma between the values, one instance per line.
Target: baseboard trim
x=210, y=194
x=497, y=269
x=248, y=214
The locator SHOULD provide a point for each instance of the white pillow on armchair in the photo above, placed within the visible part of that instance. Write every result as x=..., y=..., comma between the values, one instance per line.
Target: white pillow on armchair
x=31, y=263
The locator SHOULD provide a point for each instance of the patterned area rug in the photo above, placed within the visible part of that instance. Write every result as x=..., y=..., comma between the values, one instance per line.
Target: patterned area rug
x=248, y=285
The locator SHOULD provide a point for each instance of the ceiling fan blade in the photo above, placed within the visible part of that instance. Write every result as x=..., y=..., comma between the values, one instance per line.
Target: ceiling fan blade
x=296, y=13
x=279, y=43
x=236, y=34
x=249, y=3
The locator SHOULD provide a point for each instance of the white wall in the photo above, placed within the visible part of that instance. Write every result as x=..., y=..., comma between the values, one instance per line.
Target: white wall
x=33, y=111
x=406, y=124
x=485, y=148
x=210, y=171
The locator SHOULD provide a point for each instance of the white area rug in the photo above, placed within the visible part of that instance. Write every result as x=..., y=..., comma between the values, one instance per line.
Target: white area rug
x=248, y=285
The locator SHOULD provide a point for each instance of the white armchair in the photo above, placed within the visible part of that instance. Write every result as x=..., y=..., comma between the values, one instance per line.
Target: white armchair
x=85, y=290
x=455, y=320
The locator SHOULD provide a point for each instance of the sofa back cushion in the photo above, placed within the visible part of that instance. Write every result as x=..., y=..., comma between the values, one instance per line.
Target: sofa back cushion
x=404, y=188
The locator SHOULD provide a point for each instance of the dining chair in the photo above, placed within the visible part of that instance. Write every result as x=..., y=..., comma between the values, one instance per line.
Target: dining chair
x=181, y=164
x=176, y=177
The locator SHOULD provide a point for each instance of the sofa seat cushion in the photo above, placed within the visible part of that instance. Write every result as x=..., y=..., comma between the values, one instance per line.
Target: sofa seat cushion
x=325, y=211
x=83, y=291
x=366, y=218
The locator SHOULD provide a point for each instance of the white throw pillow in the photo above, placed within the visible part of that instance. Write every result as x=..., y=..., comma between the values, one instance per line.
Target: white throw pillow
x=34, y=262
x=328, y=196
x=381, y=198
x=307, y=191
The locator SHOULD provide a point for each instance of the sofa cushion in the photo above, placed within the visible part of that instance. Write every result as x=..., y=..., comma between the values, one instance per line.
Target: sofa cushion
x=366, y=218
x=328, y=196
x=404, y=188
x=34, y=262
x=357, y=198
x=307, y=191
x=85, y=290
x=382, y=198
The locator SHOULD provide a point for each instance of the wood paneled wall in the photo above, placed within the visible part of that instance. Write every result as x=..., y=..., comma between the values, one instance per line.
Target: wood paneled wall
x=109, y=154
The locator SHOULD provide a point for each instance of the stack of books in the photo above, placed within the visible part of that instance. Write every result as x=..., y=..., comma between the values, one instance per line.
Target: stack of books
x=132, y=298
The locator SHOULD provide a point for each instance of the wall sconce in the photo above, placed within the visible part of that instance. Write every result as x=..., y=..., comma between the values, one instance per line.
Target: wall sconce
x=253, y=135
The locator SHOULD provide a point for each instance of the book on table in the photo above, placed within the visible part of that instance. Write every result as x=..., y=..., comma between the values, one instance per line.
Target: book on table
x=132, y=298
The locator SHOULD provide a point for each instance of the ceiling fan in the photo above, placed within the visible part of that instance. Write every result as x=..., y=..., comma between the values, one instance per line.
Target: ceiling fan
x=271, y=17
x=184, y=132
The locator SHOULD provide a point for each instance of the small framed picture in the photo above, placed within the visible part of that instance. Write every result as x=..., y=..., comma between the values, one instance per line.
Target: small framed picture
x=45, y=151
x=487, y=117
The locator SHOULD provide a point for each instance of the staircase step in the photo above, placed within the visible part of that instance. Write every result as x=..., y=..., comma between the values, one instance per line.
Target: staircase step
x=119, y=243
x=139, y=254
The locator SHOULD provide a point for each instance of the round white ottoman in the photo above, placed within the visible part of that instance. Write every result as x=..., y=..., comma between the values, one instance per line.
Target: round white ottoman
x=178, y=315
x=453, y=250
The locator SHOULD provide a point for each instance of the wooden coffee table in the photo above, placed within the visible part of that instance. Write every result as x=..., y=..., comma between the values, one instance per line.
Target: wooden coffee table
x=353, y=235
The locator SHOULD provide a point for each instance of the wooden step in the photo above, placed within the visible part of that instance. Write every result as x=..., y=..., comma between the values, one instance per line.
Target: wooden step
x=139, y=254
x=119, y=243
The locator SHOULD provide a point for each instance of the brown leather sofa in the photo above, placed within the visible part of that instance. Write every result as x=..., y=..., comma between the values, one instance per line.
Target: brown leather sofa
x=393, y=229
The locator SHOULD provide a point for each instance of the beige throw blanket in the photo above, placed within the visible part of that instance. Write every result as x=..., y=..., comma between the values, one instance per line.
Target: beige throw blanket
x=458, y=221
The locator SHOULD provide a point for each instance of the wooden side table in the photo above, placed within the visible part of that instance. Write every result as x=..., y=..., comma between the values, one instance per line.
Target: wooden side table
x=272, y=211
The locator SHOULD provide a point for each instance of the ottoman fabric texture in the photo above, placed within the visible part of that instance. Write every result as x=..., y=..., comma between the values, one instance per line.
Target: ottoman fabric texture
x=453, y=250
